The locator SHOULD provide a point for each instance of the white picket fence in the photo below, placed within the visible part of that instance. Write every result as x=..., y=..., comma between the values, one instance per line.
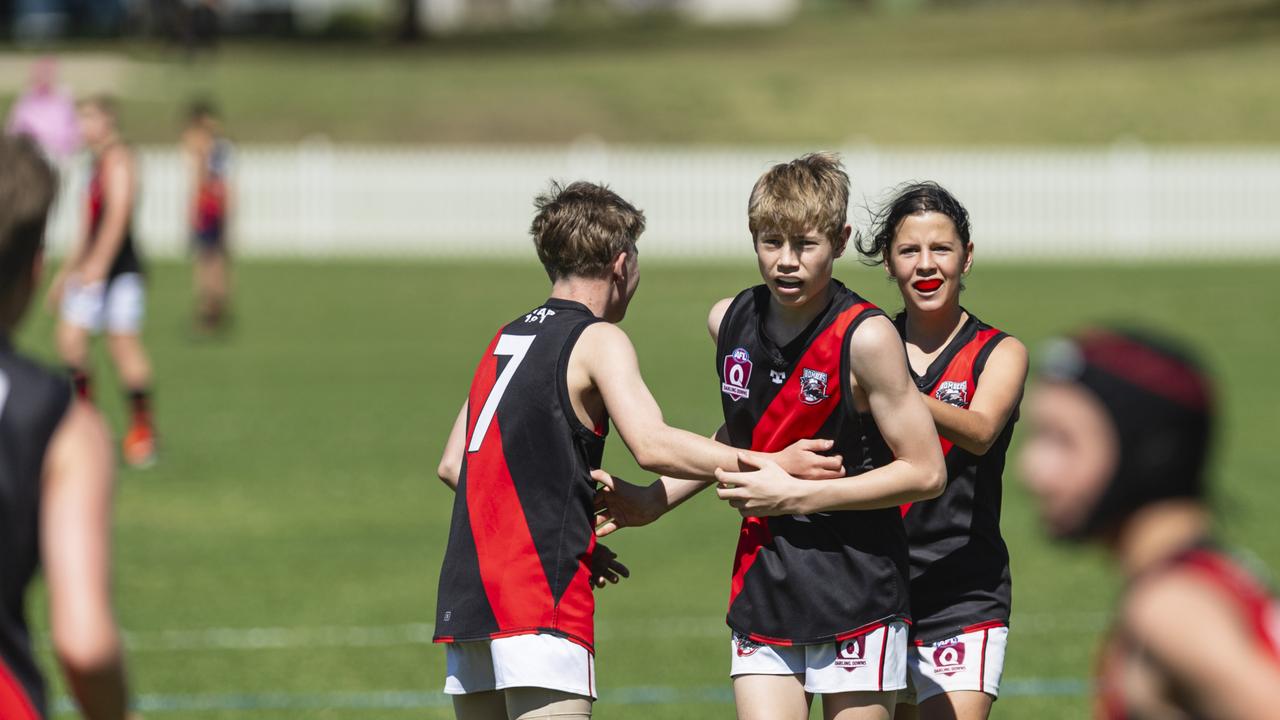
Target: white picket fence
x=320, y=200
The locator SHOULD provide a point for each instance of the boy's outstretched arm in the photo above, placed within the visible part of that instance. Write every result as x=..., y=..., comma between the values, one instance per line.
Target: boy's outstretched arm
x=606, y=355
x=622, y=504
x=878, y=365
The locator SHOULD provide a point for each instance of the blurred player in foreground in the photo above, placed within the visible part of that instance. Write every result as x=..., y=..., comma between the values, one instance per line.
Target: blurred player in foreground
x=56, y=483
x=972, y=376
x=100, y=285
x=818, y=600
x=1121, y=424
x=208, y=156
x=515, y=604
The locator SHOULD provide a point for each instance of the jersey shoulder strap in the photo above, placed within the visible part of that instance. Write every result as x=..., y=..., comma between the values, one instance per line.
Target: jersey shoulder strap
x=988, y=338
x=744, y=310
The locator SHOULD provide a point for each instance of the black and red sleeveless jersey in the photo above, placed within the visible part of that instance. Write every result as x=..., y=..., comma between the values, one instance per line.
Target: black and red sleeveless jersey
x=960, y=578
x=1258, y=609
x=127, y=259
x=807, y=579
x=32, y=403
x=522, y=535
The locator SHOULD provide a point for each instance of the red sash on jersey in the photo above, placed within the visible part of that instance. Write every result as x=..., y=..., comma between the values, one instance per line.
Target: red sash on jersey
x=789, y=419
x=960, y=370
x=505, y=548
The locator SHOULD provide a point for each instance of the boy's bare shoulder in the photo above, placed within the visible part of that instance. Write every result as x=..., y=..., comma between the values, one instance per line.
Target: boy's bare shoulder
x=716, y=317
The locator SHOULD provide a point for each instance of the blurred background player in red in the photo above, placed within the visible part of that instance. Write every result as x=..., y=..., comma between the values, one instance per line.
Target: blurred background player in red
x=56, y=481
x=1121, y=428
x=100, y=286
x=972, y=377
x=208, y=156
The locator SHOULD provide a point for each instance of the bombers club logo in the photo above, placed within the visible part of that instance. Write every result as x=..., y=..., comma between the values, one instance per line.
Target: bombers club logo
x=851, y=653
x=953, y=393
x=948, y=657
x=813, y=387
x=737, y=374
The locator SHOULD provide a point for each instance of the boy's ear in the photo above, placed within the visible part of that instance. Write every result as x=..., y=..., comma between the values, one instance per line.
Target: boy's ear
x=619, y=266
x=842, y=240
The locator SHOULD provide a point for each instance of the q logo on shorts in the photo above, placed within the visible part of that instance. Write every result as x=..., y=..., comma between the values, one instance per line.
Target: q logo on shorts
x=948, y=657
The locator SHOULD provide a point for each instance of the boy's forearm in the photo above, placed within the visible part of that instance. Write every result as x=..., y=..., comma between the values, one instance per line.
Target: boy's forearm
x=681, y=454
x=677, y=490
x=887, y=486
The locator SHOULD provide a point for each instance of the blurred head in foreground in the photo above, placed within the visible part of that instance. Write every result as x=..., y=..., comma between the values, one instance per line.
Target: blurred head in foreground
x=585, y=231
x=1122, y=420
x=1121, y=429
x=27, y=188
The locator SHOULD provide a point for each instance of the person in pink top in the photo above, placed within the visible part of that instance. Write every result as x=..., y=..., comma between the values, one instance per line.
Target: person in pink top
x=46, y=113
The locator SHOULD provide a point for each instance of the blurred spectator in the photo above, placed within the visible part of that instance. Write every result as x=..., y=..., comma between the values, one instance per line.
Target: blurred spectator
x=46, y=113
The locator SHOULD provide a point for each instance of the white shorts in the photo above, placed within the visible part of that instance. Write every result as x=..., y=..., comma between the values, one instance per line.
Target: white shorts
x=972, y=661
x=874, y=662
x=541, y=661
x=118, y=305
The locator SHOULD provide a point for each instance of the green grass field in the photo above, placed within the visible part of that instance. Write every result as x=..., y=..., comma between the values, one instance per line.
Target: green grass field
x=296, y=489
x=1071, y=72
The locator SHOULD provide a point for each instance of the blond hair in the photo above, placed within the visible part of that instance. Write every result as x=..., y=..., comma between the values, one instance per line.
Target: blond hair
x=582, y=227
x=806, y=194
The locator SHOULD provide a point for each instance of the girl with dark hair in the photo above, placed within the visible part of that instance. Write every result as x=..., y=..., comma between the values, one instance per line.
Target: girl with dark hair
x=972, y=377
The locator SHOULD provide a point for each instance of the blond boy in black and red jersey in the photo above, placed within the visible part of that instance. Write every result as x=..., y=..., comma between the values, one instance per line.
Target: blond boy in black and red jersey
x=818, y=597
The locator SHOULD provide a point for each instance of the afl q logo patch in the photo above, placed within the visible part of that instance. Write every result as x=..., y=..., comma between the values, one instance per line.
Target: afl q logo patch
x=737, y=374
x=948, y=657
x=813, y=387
x=851, y=653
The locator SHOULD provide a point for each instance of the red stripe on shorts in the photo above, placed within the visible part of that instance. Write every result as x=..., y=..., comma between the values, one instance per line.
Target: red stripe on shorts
x=982, y=666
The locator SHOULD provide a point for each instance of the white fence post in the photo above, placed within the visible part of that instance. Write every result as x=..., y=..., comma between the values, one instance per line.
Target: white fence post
x=315, y=168
x=1129, y=198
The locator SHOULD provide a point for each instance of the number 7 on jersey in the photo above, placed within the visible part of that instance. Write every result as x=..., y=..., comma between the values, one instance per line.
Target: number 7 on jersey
x=514, y=347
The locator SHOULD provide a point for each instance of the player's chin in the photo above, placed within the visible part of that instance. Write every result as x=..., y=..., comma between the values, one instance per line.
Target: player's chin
x=927, y=302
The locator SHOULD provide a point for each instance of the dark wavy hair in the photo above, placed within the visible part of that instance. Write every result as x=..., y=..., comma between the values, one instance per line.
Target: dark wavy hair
x=908, y=200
